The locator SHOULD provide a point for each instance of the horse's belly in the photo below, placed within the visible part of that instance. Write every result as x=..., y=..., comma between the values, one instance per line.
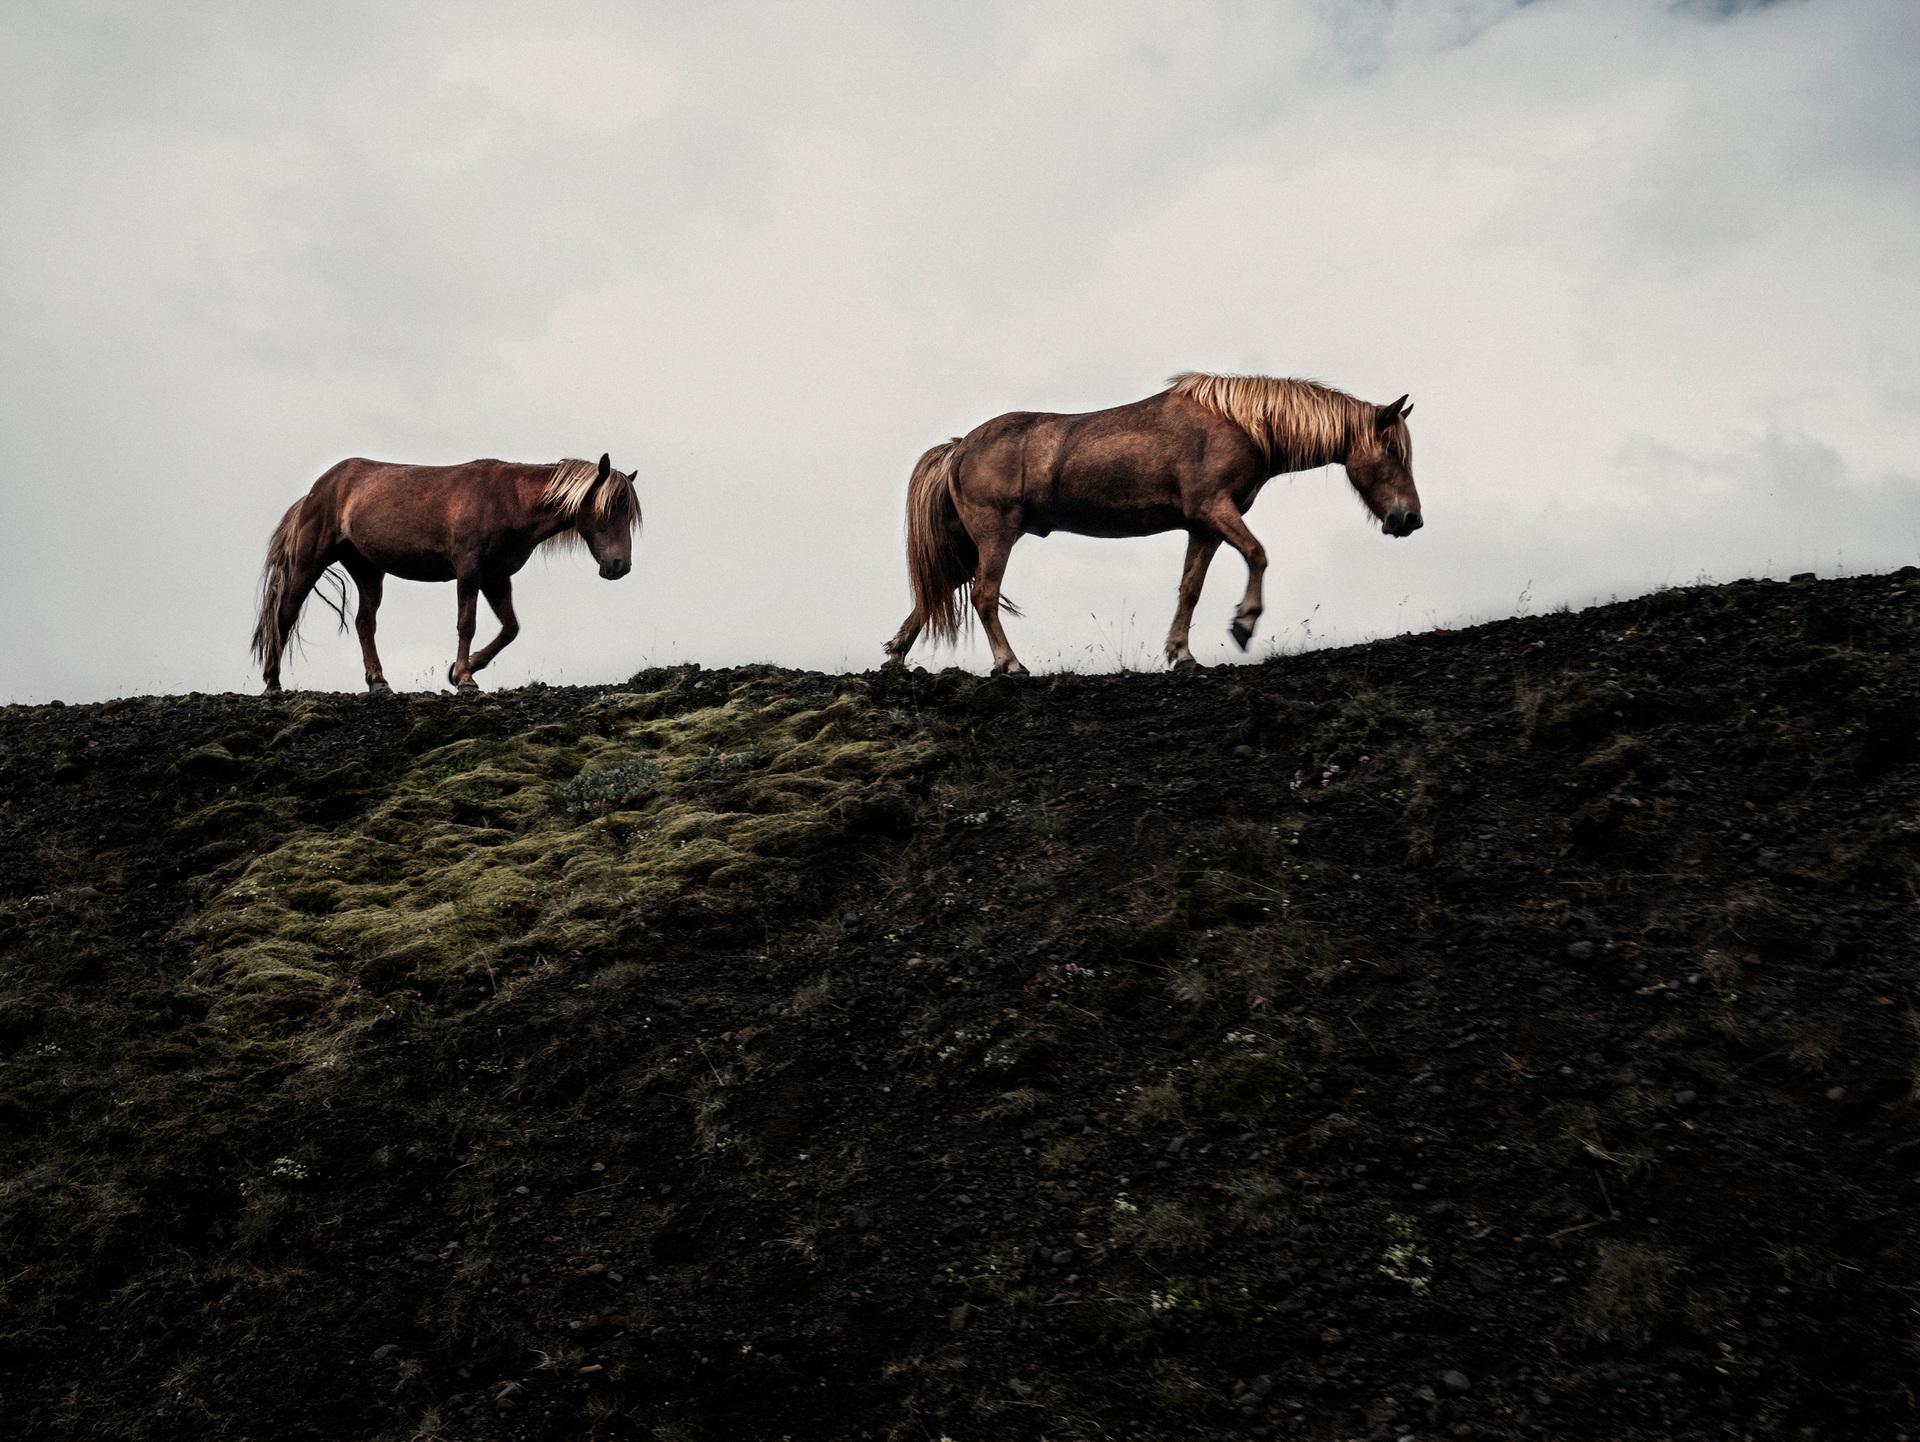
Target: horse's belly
x=1087, y=522
x=408, y=557
x=413, y=568
x=400, y=529
x=1097, y=494
x=1087, y=511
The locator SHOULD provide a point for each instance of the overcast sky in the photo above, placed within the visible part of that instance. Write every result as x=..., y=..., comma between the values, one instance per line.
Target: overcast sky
x=1649, y=270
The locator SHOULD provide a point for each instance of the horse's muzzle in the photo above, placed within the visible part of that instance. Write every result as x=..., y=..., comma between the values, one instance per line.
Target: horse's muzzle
x=614, y=570
x=1401, y=523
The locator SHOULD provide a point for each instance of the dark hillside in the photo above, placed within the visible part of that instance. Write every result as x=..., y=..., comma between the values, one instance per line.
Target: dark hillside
x=1507, y=1033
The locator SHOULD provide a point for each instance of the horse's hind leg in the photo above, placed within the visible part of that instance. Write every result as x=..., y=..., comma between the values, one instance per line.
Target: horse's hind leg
x=995, y=540
x=1225, y=518
x=903, y=639
x=305, y=567
x=499, y=595
x=370, y=583
x=1193, y=575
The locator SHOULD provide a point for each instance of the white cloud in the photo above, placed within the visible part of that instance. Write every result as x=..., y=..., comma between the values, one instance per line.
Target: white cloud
x=1646, y=270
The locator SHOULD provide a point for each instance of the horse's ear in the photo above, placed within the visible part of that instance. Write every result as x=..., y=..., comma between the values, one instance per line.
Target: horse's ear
x=606, y=464
x=1389, y=414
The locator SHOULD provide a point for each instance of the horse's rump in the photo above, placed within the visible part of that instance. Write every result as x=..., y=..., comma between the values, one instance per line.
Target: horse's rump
x=940, y=554
x=294, y=532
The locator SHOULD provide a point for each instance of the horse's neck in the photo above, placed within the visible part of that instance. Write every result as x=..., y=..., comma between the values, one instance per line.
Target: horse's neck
x=544, y=523
x=1287, y=459
x=547, y=524
x=1301, y=453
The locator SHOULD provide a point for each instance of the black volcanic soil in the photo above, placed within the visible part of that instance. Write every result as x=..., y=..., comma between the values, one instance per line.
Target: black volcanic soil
x=1507, y=1033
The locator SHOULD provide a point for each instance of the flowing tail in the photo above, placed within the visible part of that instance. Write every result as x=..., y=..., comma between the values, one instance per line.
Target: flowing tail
x=280, y=583
x=941, y=557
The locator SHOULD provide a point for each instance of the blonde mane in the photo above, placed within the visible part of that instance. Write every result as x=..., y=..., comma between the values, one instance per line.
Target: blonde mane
x=570, y=487
x=1295, y=424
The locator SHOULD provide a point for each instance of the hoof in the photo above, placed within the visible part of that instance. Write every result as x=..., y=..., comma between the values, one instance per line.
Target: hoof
x=272, y=689
x=468, y=687
x=1012, y=668
x=377, y=686
x=1183, y=663
x=1242, y=634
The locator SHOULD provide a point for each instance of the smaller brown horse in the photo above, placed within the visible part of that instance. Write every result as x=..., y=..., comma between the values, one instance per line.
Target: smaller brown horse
x=474, y=525
x=1191, y=458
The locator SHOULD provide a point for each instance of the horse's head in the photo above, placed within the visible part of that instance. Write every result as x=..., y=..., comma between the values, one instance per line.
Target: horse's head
x=608, y=517
x=1380, y=465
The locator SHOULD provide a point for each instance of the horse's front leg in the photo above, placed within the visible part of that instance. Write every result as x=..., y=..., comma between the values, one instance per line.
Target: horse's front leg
x=1200, y=549
x=499, y=595
x=460, y=673
x=1225, y=517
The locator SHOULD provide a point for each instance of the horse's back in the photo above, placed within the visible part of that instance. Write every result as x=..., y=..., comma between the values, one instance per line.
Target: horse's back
x=1111, y=471
x=415, y=521
x=362, y=470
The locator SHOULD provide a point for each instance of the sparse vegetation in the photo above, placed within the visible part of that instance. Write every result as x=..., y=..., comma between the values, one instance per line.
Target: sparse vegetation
x=477, y=865
x=1628, y=1292
x=755, y=1054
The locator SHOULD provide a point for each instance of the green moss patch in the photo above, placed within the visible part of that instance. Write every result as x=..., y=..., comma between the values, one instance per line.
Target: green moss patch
x=548, y=846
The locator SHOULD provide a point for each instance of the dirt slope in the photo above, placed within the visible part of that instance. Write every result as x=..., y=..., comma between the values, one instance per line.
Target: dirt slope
x=1508, y=1033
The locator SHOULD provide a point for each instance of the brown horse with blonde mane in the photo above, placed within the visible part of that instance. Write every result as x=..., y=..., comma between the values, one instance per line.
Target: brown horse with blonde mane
x=1191, y=458
x=474, y=525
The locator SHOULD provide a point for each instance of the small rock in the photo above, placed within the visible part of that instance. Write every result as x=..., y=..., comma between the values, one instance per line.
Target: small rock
x=1580, y=951
x=1455, y=1381
x=1836, y=1094
x=381, y=1353
x=1685, y=1098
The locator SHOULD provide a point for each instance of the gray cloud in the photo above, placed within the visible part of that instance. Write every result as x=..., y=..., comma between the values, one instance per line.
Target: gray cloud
x=1645, y=268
